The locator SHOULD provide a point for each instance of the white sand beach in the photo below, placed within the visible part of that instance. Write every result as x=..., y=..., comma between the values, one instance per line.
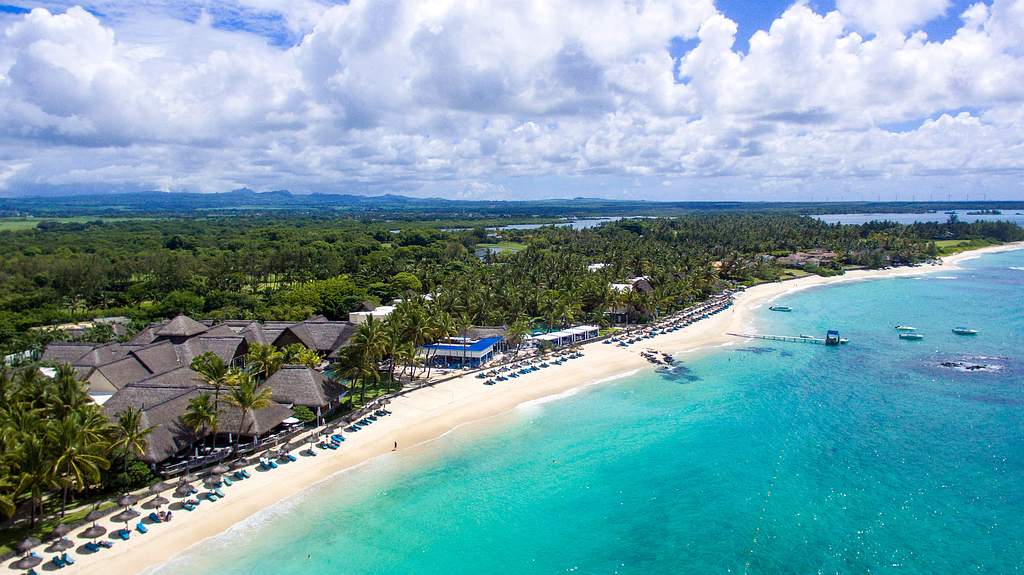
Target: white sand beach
x=428, y=413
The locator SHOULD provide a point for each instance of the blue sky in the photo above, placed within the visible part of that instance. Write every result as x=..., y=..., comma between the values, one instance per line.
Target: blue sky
x=515, y=98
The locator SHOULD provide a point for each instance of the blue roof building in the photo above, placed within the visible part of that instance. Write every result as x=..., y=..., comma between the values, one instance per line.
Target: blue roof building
x=455, y=353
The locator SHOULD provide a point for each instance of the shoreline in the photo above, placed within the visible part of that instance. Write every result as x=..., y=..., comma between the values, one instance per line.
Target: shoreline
x=427, y=414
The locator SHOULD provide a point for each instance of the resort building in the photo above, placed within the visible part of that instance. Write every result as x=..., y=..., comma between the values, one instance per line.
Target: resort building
x=462, y=351
x=152, y=373
x=596, y=267
x=367, y=309
x=568, y=336
x=816, y=257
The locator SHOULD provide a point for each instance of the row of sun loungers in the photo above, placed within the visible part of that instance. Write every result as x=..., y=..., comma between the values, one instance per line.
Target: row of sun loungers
x=517, y=370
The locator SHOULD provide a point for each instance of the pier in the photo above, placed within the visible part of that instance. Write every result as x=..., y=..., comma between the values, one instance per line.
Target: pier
x=832, y=338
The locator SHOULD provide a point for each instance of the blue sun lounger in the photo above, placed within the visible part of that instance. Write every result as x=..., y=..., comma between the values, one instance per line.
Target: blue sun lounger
x=123, y=534
x=141, y=528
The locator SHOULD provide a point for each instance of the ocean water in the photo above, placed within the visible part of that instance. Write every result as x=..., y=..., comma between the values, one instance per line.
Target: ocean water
x=761, y=457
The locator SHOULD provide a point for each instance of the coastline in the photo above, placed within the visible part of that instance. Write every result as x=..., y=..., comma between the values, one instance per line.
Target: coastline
x=429, y=413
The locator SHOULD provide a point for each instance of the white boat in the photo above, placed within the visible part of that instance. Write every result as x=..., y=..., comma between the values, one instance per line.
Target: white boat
x=905, y=328
x=960, y=330
x=911, y=335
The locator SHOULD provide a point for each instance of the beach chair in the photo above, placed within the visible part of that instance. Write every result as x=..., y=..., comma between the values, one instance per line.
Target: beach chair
x=155, y=518
x=141, y=528
x=106, y=544
x=218, y=492
x=290, y=457
x=67, y=559
x=123, y=534
x=57, y=562
x=188, y=506
x=238, y=475
x=226, y=481
x=92, y=547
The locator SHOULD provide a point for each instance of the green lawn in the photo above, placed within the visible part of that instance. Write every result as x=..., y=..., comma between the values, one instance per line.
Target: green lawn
x=950, y=247
x=504, y=246
x=18, y=224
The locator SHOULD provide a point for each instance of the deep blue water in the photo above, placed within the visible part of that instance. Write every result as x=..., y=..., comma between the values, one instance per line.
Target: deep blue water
x=780, y=458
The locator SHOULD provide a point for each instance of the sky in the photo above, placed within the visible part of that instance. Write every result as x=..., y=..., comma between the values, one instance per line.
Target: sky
x=516, y=99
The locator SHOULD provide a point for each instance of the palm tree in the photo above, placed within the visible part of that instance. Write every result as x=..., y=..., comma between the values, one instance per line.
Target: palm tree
x=78, y=460
x=201, y=414
x=214, y=371
x=34, y=462
x=247, y=395
x=516, y=333
x=129, y=435
x=263, y=360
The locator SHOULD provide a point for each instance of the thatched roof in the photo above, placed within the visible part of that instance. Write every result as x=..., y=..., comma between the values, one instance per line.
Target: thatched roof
x=66, y=351
x=259, y=422
x=485, y=331
x=158, y=357
x=124, y=371
x=300, y=385
x=161, y=407
x=326, y=337
x=220, y=330
x=181, y=326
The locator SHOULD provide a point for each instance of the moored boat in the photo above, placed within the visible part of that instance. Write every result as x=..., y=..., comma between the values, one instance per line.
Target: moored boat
x=905, y=328
x=780, y=308
x=960, y=330
x=911, y=335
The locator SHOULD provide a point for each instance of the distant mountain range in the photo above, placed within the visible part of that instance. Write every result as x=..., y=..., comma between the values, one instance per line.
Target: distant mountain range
x=251, y=202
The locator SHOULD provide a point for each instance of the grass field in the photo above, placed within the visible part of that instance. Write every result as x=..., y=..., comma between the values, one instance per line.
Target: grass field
x=503, y=246
x=950, y=247
x=18, y=224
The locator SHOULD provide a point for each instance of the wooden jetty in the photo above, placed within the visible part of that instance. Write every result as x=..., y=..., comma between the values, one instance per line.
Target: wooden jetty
x=832, y=338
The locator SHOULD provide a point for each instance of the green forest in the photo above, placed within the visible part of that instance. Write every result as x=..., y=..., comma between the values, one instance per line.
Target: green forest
x=289, y=267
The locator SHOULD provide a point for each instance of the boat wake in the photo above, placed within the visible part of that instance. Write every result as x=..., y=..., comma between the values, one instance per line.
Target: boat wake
x=1018, y=268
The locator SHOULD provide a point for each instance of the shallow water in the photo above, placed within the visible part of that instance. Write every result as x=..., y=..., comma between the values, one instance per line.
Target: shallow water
x=777, y=458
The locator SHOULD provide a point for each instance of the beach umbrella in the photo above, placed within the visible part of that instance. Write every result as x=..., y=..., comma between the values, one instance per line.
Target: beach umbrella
x=239, y=464
x=156, y=502
x=220, y=469
x=127, y=500
x=62, y=544
x=27, y=562
x=159, y=486
x=94, y=532
x=95, y=515
x=61, y=530
x=125, y=516
x=211, y=482
x=183, y=490
x=27, y=544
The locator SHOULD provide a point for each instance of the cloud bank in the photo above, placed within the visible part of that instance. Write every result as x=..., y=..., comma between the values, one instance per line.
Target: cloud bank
x=513, y=99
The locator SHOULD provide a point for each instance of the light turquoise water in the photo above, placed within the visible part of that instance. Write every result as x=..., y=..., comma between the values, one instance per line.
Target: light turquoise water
x=784, y=458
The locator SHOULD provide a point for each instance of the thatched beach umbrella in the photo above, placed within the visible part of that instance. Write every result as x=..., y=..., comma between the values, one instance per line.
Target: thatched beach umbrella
x=183, y=490
x=26, y=545
x=62, y=544
x=156, y=502
x=211, y=482
x=125, y=516
x=159, y=486
x=27, y=562
x=127, y=500
x=94, y=532
x=220, y=469
x=61, y=530
x=239, y=464
x=95, y=515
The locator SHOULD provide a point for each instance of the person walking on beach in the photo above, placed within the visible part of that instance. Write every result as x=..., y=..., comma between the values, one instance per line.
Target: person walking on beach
x=395, y=448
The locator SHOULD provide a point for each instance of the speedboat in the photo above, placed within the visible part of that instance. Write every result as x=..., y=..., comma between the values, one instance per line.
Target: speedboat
x=911, y=335
x=964, y=331
x=905, y=328
x=780, y=308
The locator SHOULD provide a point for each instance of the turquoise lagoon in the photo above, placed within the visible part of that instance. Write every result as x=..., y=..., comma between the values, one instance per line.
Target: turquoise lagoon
x=781, y=458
